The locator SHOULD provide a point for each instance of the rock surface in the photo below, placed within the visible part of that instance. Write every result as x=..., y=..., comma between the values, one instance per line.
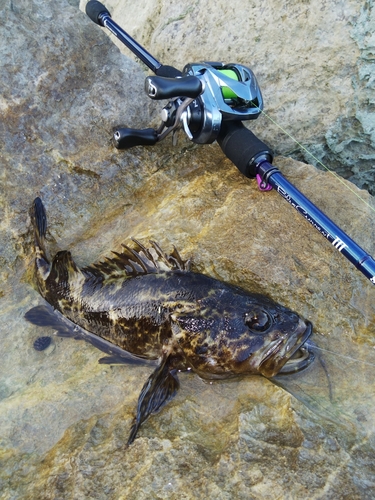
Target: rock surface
x=314, y=62
x=64, y=419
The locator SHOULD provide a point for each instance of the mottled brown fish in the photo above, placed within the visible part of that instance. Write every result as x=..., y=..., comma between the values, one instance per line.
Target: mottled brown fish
x=152, y=306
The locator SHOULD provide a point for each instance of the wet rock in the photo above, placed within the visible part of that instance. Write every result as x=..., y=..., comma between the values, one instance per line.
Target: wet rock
x=64, y=419
x=314, y=63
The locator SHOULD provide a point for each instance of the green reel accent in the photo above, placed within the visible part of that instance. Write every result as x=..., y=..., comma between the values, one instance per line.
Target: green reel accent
x=226, y=91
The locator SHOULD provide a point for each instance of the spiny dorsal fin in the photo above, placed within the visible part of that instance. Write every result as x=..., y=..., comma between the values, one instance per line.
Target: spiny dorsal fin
x=173, y=261
x=137, y=261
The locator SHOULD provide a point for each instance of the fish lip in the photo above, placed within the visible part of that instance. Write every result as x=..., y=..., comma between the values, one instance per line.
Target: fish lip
x=297, y=365
x=276, y=360
x=302, y=338
x=305, y=346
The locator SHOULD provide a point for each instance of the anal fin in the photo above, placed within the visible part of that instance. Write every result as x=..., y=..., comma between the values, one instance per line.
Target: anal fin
x=161, y=386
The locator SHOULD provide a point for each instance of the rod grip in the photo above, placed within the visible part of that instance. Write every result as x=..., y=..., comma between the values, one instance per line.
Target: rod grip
x=94, y=9
x=242, y=147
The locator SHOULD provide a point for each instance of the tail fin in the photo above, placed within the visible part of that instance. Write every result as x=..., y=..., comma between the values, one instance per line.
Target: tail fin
x=39, y=221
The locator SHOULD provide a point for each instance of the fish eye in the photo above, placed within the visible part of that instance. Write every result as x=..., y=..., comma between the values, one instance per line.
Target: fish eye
x=259, y=321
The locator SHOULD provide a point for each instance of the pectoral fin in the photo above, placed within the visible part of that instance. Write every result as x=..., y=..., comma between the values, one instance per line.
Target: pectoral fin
x=159, y=389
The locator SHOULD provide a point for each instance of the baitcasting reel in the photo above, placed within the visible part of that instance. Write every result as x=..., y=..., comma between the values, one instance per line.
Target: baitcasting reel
x=202, y=96
x=211, y=93
x=209, y=101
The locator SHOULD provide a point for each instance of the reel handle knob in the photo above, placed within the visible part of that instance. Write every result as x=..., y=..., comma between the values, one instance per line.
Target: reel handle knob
x=159, y=87
x=94, y=10
x=125, y=138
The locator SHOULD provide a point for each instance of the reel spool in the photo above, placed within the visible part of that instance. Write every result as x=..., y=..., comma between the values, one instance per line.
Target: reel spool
x=231, y=92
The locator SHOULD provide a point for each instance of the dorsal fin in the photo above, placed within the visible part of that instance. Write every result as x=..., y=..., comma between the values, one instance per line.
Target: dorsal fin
x=138, y=261
x=172, y=261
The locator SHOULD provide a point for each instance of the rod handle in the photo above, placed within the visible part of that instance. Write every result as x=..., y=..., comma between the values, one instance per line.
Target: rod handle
x=94, y=10
x=242, y=147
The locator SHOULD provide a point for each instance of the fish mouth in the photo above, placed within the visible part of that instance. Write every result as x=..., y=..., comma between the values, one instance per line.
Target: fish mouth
x=289, y=356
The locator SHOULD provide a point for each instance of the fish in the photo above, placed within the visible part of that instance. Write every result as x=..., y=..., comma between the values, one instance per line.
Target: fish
x=144, y=305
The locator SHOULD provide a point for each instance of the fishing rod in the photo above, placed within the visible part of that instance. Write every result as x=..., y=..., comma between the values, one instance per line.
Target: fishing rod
x=209, y=101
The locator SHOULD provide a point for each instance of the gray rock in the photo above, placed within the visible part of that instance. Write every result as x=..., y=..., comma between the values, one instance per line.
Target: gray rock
x=64, y=419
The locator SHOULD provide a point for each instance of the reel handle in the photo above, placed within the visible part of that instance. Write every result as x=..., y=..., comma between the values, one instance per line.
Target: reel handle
x=158, y=87
x=125, y=138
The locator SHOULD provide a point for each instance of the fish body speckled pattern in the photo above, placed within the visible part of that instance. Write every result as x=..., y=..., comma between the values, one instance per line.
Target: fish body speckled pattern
x=150, y=304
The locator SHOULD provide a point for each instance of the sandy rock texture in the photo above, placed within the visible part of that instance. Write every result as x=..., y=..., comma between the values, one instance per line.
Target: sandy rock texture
x=64, y=418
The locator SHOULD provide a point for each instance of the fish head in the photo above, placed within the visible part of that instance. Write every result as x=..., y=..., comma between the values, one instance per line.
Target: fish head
x=231, y=332
x=240, y=333
x=273, y=338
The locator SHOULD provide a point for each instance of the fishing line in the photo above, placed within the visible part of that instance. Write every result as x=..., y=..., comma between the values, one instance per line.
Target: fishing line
x=337, y=177
x=343, y=356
